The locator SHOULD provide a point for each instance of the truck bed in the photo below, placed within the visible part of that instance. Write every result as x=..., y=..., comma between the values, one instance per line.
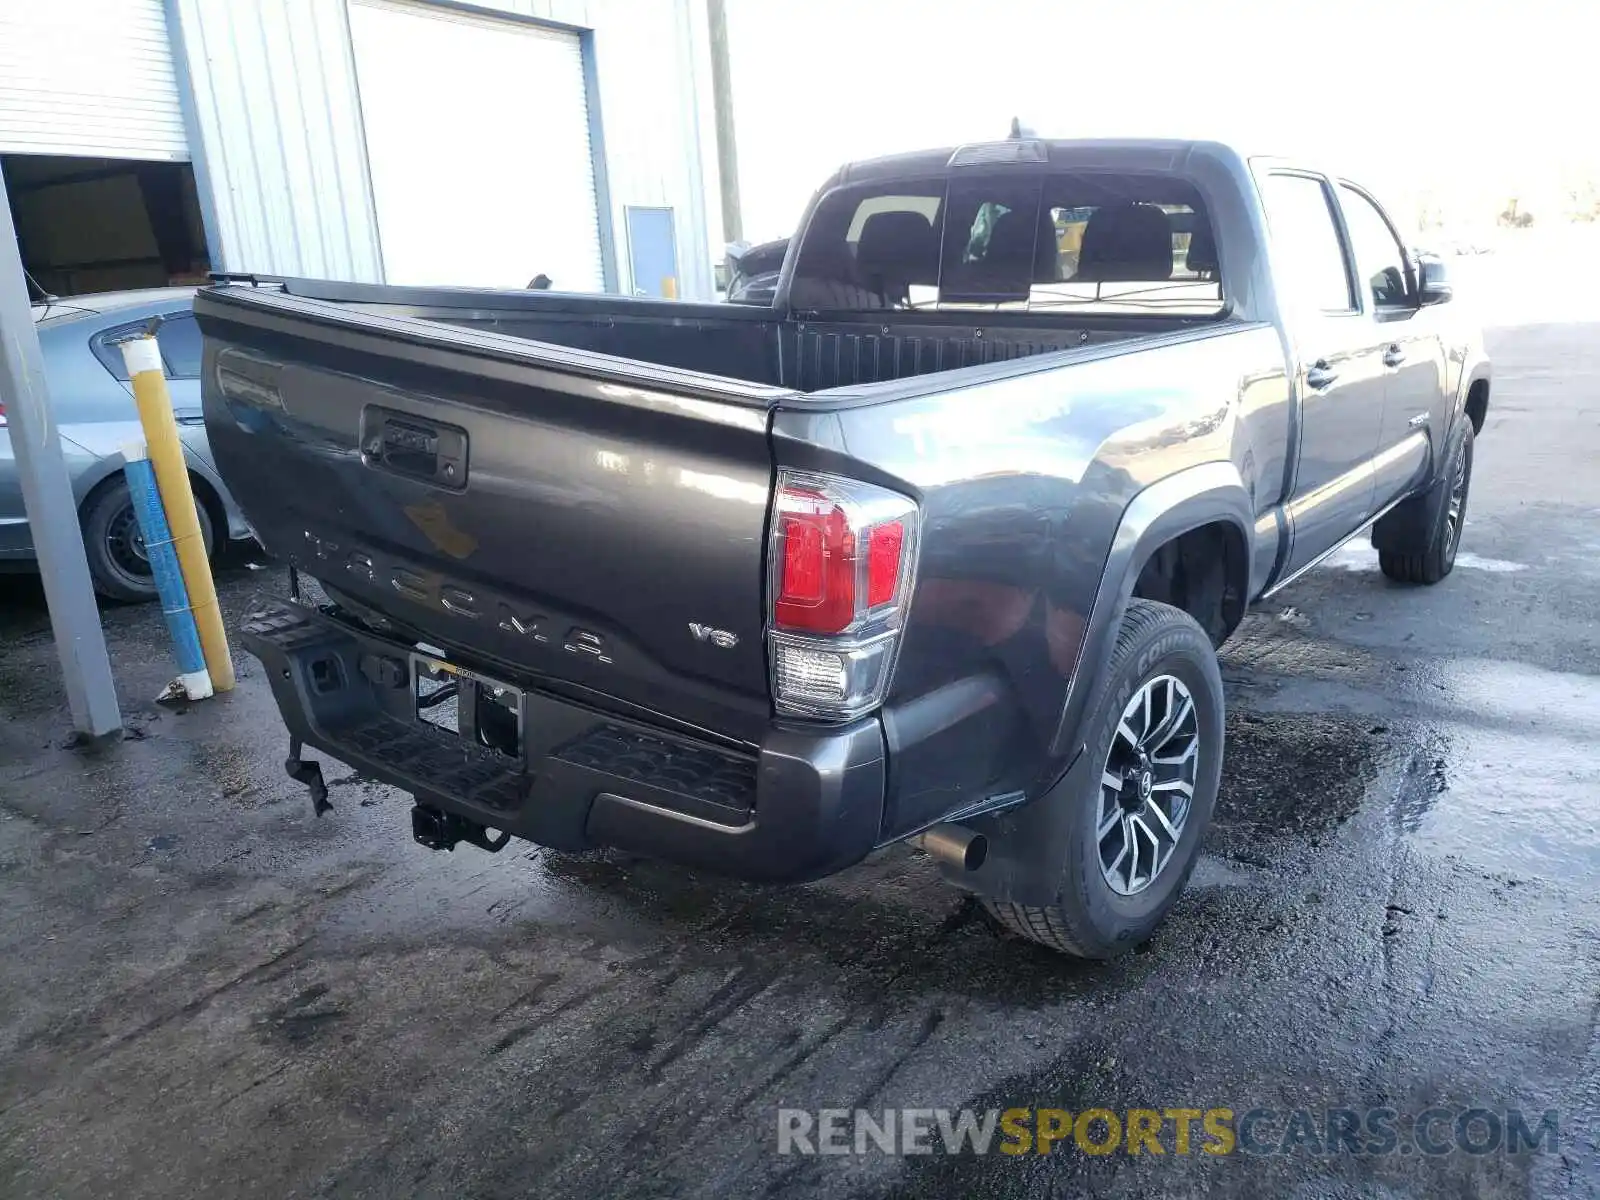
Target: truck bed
x=754, y=345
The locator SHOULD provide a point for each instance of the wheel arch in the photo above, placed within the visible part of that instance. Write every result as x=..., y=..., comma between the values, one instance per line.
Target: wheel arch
x=1476, y=405
x=92, y=485
x=1205, y=571
x=1211, y=496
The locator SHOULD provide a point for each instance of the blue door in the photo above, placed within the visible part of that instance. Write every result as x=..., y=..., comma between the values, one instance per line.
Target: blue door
x=652, y=252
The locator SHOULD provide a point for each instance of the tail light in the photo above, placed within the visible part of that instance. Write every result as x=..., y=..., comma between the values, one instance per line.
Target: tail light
x=842, y=558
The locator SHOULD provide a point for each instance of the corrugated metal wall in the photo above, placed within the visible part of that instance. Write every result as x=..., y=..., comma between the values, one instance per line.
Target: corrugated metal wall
x=479, y=146
x=88, y=77
x=277, y=115
x=647, y=72
x=566, y=12
x=647, y=66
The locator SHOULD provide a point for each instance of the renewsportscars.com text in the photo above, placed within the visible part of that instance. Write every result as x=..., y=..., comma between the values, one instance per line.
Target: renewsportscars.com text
x=1148, y=1131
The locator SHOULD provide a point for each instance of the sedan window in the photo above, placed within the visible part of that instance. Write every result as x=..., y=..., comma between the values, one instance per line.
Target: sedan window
x=178, y=336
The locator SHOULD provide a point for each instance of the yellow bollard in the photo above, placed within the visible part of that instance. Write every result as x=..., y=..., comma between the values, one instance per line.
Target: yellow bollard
x=143, y=359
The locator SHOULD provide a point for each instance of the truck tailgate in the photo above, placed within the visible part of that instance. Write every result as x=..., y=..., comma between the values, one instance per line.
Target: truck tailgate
x=522, y=505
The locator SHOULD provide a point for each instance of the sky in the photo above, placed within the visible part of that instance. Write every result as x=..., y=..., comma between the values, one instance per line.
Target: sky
x=1458, y=105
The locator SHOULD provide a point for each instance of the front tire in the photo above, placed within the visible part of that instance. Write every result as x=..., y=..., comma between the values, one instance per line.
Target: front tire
x=118, y=564
x=1153, y=766
x=1417, y=542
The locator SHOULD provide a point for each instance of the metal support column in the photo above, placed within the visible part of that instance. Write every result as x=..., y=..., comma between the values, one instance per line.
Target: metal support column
x=47, y=497
x=722, y=105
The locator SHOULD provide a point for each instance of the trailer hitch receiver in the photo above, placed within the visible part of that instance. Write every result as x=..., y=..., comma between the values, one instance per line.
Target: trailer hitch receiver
x=439, y=830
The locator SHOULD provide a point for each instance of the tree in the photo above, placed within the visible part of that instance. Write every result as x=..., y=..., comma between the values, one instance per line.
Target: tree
x=1513, y=217
x=1583, y=202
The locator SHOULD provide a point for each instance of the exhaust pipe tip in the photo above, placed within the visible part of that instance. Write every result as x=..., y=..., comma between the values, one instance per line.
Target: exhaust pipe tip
x=954, y=846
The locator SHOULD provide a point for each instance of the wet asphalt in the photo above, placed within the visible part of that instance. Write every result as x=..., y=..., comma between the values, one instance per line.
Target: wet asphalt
x=205, y=991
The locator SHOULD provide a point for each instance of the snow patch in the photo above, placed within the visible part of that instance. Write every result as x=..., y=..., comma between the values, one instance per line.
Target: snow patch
x=1477, y=562
x=1353, y=556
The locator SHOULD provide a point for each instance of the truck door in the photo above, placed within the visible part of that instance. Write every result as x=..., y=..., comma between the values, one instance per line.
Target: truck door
x=1339, y=369
x=1413, y=355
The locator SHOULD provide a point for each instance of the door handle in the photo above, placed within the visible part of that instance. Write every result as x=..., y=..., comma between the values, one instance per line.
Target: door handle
x=1418, y=420
x=1321, y=375
x=1394, y=356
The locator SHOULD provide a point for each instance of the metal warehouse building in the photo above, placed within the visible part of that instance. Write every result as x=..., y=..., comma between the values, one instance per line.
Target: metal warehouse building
x=402, y=141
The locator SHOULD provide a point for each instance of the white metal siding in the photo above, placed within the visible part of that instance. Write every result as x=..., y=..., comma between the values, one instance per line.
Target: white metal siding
x=568, y=12
x=478, y=145
x=88, y=77
x=652, y=88
x=283, y=167
x=280, y=153
x=649, y=105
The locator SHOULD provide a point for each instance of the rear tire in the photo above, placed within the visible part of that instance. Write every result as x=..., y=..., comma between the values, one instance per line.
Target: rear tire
x=1417, y=542
x=117, y=562
x=1102, y=907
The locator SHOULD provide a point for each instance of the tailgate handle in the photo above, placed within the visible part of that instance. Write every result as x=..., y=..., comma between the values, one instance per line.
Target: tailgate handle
x=411, y=446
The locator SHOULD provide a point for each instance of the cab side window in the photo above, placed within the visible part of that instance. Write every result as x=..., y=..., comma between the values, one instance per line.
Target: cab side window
x=1380, y=257
x=1306, y=242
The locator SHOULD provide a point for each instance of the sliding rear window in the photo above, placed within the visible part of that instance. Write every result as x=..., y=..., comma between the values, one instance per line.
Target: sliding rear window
x=1012, y=242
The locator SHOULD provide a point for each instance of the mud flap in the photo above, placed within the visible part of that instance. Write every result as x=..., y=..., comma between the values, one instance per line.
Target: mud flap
x=1409, y=526
x=1027, y=845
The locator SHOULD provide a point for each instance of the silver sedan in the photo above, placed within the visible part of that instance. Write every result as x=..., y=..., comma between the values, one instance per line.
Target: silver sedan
x=94, y=410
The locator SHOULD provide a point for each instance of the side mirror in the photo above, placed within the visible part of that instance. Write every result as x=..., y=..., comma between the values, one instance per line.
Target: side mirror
x=1433, y=281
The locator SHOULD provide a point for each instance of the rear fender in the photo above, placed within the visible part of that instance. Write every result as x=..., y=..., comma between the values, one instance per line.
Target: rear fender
x=1028, y=843
x=1198, y=496
x=96, y=470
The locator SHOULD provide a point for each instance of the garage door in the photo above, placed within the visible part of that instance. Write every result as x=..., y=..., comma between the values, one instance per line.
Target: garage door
x=88, y=77
x=478, y=142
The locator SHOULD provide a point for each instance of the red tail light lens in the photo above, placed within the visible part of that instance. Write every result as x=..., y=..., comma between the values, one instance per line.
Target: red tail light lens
x=842, y=557
x=816, y=581
x=839, y=553
x=885, y=543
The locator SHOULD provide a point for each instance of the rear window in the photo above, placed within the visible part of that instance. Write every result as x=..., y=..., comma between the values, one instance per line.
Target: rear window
x=1012, y=242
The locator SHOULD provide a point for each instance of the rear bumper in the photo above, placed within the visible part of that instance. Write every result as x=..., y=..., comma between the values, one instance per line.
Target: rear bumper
x=809, y=803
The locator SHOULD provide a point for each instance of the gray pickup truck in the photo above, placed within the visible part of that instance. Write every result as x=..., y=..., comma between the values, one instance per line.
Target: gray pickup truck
x=937, y=547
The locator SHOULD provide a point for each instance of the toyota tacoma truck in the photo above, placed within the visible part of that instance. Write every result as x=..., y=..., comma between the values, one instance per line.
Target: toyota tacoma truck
x=937, y=547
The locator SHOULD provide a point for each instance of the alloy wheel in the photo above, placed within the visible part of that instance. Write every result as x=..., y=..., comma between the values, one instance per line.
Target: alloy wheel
x=1147, y=784
x=1458, y=501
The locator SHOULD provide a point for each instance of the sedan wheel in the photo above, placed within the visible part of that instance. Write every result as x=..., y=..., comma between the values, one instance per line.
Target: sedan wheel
x=119, y=563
